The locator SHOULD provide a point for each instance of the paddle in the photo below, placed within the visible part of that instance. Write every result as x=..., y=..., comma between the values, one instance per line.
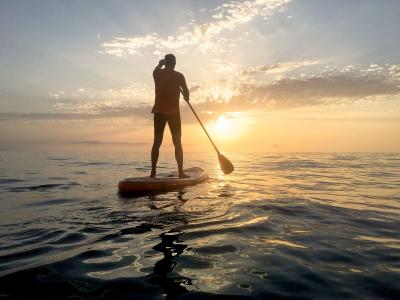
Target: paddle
x=226, y=166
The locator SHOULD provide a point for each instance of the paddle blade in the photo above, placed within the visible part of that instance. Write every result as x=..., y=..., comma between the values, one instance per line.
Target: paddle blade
x=226, y=166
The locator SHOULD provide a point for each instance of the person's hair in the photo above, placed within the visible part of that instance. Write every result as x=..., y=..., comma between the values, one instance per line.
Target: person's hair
x=170, y=60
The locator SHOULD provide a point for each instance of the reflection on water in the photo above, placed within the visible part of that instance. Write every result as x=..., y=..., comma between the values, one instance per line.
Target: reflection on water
x=170, y=246
x=163, y=272
x=282, y=226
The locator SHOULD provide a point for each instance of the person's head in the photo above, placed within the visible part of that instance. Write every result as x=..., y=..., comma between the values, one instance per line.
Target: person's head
x=170, y=60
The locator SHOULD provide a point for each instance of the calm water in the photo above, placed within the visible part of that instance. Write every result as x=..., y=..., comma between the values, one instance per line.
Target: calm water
x=323, y=226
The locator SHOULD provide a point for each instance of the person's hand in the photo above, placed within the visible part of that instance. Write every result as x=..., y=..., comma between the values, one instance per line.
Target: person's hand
x=186, y=99
x=161, y=62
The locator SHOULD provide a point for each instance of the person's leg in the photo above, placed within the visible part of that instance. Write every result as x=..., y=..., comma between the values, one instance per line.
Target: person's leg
x=174, y=123
x=159, y=126
x=178, y=154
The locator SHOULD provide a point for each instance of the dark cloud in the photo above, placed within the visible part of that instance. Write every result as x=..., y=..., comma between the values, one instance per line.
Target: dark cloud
x=332, y=86
x=194, y=88
x=283, y=94
x=101, y=114
x=316, y=90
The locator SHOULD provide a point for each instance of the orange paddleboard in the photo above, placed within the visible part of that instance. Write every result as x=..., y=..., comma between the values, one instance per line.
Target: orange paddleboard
x=162, y=182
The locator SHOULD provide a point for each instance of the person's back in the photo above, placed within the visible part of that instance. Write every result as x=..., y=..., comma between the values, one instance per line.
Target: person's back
x=167, y=89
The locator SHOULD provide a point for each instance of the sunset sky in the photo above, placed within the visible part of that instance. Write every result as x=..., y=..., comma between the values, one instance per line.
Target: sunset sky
x=264, y=75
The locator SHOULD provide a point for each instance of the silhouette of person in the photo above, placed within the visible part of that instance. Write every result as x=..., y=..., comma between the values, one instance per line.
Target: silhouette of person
x=168, y=85
x=163, y=272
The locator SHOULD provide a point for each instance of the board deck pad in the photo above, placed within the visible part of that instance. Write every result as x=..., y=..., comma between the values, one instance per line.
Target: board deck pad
x=162, y=181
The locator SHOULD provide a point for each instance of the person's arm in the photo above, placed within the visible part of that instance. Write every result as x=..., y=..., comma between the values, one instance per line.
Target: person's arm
x=159, y=66
x=185, y=90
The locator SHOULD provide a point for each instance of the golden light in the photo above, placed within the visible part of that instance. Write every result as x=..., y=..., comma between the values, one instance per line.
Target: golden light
x=221, y=125
x=228, y=126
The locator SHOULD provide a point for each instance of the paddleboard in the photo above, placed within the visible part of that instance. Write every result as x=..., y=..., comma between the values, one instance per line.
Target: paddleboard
x=162, y=181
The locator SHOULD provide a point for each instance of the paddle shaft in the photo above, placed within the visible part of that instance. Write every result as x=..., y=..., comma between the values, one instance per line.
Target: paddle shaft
x=202, y=126
x=198, y=119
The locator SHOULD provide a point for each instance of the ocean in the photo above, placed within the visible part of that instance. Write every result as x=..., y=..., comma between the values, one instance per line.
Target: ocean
x=293, y=225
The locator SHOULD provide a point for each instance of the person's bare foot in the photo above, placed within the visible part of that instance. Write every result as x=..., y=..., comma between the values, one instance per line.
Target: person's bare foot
x=183, y=175
x=153, y=173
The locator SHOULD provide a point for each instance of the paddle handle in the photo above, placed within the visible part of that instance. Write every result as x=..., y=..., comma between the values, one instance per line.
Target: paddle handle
x=202, y=126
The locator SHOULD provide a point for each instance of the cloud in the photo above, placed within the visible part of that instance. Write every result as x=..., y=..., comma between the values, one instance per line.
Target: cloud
x=325, y=86
x=194, y=88
x=289, y=93
x=103, y=112
x=227, y=17
x=279, y=67
x=96, y=101
x=57, y=95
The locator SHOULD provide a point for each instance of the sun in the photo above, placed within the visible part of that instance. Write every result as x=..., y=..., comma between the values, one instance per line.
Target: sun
x=228, y=126
x=221, y=125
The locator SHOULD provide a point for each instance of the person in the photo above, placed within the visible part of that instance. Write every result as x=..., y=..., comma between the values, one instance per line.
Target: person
x=168, y=86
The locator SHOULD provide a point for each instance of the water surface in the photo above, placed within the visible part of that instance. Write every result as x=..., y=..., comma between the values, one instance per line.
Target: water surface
x=322, y=226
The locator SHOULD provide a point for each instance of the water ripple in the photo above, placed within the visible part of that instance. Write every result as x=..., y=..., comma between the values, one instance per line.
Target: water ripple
x=298, y=226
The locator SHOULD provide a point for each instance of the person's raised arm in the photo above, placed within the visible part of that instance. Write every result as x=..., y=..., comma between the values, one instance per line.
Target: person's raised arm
x=184, y=89
x=159, y=66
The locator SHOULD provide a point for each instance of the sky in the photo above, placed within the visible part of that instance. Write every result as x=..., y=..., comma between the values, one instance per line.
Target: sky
x=264, y=75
